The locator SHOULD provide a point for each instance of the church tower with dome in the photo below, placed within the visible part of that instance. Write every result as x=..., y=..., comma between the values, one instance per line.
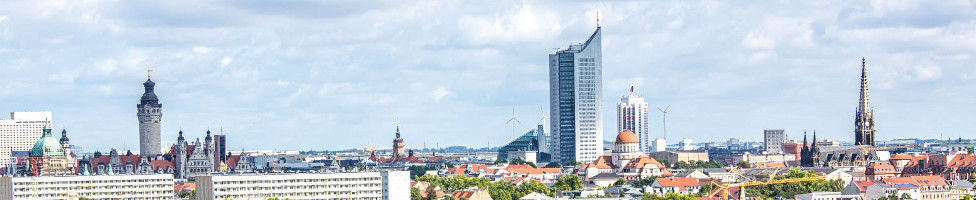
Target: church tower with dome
x=149, y=112
x=625, y=148
x=626, y=161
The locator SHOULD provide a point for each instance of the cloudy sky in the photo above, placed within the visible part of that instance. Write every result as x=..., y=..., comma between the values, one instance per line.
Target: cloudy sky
x=336, y=74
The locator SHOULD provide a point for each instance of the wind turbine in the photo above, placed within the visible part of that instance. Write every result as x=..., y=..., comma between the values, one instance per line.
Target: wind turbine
x=513, y=121
x=664, y=120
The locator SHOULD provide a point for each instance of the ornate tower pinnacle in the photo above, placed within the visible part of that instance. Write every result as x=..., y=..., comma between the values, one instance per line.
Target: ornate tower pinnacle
x=149, y=114
x=864, y=117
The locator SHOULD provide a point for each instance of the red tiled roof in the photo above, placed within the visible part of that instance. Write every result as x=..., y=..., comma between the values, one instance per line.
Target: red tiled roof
x=185, y=187
x=918, y=180
x=161, y=165
x=679, y=183
x=901, y=157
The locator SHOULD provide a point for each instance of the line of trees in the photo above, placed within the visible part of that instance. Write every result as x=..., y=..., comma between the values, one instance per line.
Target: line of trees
x=788, y=190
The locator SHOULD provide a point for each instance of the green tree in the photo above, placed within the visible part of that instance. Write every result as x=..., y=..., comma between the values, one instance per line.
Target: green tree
x=415, y=194
x=530, y=186
x=620, y=182
x=967, y=197
x=431, y=194
x=568, y=182
x=416, y=171
x=905, y=196
x=552, y=165
x=743, y=164
x=644, y=182
x=705, y=189
x=788, y=190
x=448, y=197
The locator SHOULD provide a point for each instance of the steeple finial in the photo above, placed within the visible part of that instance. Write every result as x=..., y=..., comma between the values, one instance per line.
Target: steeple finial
x=398, y=127
x=598, y=19
x=148, y=73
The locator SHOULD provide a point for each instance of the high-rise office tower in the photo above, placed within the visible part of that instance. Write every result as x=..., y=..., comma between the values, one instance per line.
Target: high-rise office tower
x=773, y=140
x=575, y=101
x=632, y=116
x=864, y=117
x=20, y=132
x=150, y=112
x=220, y=148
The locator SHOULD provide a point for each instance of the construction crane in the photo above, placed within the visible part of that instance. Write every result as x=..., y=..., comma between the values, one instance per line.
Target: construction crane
x=723, y=188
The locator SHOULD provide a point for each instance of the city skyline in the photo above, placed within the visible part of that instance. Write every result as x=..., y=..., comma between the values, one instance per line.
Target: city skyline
x=273, y=77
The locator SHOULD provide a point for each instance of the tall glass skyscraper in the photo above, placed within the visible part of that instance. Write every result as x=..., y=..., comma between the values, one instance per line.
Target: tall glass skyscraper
x=575, y=101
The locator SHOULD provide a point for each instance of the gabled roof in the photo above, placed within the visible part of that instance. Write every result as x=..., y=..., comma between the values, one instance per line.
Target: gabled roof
x=679, y=183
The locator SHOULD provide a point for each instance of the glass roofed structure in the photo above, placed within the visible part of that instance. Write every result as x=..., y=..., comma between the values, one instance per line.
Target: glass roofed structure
x=530, y=141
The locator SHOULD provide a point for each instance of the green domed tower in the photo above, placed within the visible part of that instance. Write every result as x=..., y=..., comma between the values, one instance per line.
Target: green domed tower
x=47, y=145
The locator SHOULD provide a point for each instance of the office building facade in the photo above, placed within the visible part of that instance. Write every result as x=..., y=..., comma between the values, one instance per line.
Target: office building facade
x=20, y=132
x=575, y=101
x=392, y=185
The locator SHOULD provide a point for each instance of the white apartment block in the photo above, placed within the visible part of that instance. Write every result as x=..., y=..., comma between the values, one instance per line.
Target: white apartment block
x=157, y=186
x=632, y=116
x=20, y=132
x=391, y=185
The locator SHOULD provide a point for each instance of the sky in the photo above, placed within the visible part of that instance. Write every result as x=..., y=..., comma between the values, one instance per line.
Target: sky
x=299, y=75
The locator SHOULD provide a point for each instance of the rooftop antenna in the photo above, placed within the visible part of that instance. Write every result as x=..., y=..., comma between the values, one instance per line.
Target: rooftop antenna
x=664, y=120
x=513, y=121
x=598, y=19
x=543, y=111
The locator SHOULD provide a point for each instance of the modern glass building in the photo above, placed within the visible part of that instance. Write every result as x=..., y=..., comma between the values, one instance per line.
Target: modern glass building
x=575, y=101
x=530, y=141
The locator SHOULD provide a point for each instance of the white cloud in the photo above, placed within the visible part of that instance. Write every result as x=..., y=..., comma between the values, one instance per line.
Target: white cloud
x=202, y=49
x=928, y=72
x=107, y=66
x=754, y=41
x=225, y=61
x=440, y=93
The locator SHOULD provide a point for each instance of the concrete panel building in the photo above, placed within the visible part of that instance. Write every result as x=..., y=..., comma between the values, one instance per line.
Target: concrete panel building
x=773, y=140
x=392, y=185
x=157, y=186
x=20, y=132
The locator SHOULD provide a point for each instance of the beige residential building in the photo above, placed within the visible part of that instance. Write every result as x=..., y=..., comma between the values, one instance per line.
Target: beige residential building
x=675, y=156
x=20, y=132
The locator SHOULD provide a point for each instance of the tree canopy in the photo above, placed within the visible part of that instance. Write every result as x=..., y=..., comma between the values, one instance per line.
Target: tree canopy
x=789, y=190
x=568, y=182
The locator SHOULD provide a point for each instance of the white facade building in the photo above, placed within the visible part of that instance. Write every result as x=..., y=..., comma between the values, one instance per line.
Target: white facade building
x=632, y=116
x=20, y=132
x=157, y=186
x=686, y=145
x=660, y=144
x=392, y=185
x=575, y=101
